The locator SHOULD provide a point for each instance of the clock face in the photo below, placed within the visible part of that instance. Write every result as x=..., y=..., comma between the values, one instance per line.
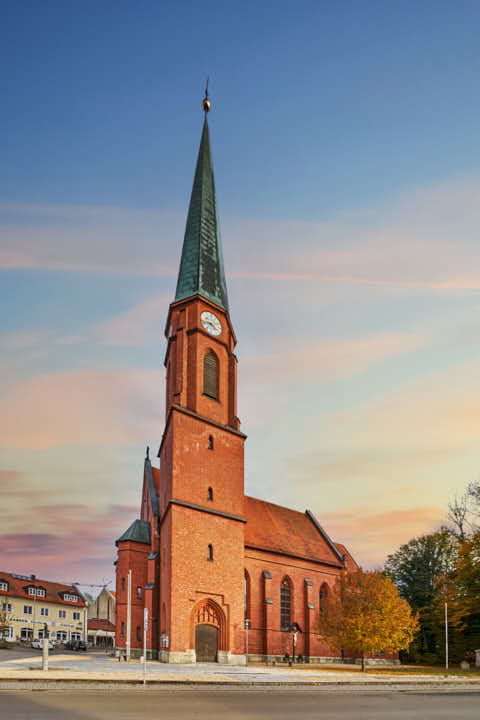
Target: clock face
x=211, y=323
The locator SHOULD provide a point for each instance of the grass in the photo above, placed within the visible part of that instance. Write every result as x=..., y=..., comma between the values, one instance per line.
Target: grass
x=474, y=672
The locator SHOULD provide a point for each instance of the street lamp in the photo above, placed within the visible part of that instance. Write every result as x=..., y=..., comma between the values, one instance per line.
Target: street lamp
x=247, y=625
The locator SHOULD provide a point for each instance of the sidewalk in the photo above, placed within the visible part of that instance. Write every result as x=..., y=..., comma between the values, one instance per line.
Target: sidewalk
x=158, y=674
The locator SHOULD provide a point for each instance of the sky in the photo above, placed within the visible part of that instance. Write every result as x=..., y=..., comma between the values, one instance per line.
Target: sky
x=345, y=141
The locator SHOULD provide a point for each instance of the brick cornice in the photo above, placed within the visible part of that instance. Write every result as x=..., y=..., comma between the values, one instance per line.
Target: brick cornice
x=272, y=551
x=197, y=416
x=200, y=508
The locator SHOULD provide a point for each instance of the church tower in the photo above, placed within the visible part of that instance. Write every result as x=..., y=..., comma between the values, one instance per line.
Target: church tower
x=201, y=480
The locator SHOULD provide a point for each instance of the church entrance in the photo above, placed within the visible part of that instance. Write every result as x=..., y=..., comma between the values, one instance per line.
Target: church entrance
x=206, y=643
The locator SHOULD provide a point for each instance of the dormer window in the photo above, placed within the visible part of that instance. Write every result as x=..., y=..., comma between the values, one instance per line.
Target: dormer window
x=3, y=585
x=70, y=598
x=40, y=592
x=32, y=591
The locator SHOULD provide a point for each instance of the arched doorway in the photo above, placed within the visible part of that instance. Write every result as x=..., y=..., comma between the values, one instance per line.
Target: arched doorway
x=209, y=631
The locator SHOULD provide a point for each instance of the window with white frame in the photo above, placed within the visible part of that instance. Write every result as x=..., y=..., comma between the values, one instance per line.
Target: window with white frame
x=26, y=633
x=7, y=633
x=62, y=614
x=6, y=607
x=32, y=591
x=27, y=610
x=61, y=636
x=76, y=636
x=76, y=616
x=3, y=585
x=70, y=598
x=44, y=612
x=40, y=592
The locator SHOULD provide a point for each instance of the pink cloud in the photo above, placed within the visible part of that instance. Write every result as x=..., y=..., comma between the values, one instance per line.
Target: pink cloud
x=82, y=407
x=371, y=536
x=327, y=359
x=140, y=325
x=78, y=543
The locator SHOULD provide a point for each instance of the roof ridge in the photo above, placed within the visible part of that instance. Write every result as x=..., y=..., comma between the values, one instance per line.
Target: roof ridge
x=267, y=502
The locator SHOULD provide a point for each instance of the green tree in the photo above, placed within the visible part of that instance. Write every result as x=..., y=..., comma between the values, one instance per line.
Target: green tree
x=417, y=569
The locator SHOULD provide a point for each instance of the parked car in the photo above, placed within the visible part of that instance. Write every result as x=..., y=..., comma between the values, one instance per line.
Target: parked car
x=79, y=645
x=38, y=644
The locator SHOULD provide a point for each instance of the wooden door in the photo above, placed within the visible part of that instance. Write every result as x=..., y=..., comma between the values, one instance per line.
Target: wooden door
x=206, y=643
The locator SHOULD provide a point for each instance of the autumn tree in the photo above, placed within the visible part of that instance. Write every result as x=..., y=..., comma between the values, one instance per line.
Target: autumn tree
x=460, y=588
x=367, y=615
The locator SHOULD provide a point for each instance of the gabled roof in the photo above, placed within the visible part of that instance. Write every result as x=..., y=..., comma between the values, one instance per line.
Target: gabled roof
x=278, y=529
x=139, y=531
x=96, y=624
x=18, y=587
x=201, y=267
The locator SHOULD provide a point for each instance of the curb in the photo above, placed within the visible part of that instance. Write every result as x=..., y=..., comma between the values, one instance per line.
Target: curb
x=241, y=683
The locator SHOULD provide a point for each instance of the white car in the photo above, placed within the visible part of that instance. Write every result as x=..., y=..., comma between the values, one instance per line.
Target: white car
x=38, y=644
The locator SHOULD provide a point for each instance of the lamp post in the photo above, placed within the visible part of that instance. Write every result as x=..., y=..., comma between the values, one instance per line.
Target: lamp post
x=446, y=635
x=247, y=625
x=45, y=642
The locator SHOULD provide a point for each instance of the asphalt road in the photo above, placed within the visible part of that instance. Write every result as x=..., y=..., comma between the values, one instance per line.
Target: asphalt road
x=240, y=704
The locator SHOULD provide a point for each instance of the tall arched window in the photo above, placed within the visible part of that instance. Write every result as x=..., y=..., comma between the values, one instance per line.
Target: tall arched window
x=210, y=375
x=322, y=597
x=285, y=604
x=210, y=553
x=247, y=595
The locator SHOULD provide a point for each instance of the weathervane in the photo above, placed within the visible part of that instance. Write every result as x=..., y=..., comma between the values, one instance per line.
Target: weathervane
x=206, y=101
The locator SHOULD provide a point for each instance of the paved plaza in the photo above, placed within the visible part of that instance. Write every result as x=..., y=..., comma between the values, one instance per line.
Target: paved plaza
x=25, y=664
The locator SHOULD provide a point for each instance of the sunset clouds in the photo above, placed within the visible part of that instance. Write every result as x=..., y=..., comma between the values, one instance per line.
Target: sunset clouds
x=358, y=369
x=349, y=208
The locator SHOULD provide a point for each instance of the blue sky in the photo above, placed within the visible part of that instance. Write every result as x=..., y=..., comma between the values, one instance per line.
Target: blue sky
x=345, y=140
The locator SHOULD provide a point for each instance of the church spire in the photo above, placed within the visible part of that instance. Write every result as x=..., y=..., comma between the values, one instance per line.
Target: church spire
x=201, y=267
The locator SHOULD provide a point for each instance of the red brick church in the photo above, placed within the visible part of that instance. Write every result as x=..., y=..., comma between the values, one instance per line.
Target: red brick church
x=203, y=556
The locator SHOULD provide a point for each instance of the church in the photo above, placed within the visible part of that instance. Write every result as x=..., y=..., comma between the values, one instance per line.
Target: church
x=220, y=574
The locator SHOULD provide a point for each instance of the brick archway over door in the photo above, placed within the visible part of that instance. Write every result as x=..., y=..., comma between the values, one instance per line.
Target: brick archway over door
x=208, y=612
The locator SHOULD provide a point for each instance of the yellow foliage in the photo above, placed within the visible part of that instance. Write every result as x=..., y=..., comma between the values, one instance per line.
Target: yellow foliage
x=367, y=615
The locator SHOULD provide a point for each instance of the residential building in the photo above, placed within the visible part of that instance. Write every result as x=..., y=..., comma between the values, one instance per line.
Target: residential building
x=32, y=604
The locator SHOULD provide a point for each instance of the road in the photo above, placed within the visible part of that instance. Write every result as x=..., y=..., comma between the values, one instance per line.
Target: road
x=241, y=704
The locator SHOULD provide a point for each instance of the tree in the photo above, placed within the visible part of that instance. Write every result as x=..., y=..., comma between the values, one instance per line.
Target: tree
x=417, y=566
x=464, y=511
x=90, y=600
x=417, y=569
x=367, y=615
x=4, y=622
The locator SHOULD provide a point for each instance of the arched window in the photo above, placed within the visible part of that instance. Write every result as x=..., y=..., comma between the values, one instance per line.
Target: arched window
x=247, y=595
x=285, y=604
x=210, y=493
x=210, y=553
x=210, y=442
x=322, y=597
x=210, y=375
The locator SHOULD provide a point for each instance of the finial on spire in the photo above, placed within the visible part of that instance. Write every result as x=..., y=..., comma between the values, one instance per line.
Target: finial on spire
x=206, y=101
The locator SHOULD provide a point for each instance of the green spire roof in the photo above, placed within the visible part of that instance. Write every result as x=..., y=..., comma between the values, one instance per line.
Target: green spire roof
x=201, y=267
x=139, y=531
